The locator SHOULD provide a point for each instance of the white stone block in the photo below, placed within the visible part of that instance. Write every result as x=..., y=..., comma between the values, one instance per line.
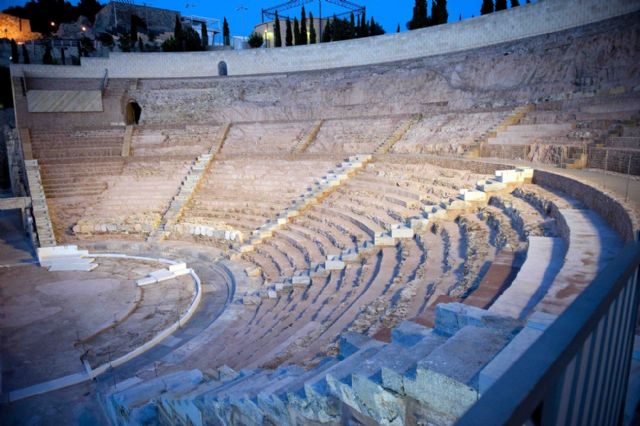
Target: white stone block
x=401, y=231
x=471, y=195
x=301, y=280
x=178, y=267
x=271, y=294
x=251, y=299
x=525, y=172
x=162, y=275
x=419, y=224
x=333, y=263
x=146, y=281
x=384, y=240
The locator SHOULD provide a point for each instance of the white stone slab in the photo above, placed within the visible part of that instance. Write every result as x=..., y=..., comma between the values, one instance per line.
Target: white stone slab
x=145, y=281
x=384, y=240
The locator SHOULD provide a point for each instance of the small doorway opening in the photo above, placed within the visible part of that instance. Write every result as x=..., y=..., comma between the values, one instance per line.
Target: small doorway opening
x=222, y=68
x=133, y=113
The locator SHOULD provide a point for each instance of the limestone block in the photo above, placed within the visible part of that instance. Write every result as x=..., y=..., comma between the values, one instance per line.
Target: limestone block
x=525, y=172
x=301, y=280
x=471, y=195
x=292, y=213
x=145, y=281
x=271, y=294
x=350, y=256
x=282, y=220
x=457, y=204
x=383, y=239
x=401, y=231
x=334, y=263
x=178, y=267
x=283, y=287
x=419, y=224
x=253, y=271
x=162, y=275
x=320, y=272
x=451, y=317
x=490, y=185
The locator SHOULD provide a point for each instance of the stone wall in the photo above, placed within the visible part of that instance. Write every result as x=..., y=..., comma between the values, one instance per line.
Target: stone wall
x=612, y=210
x=615, y=160
x=12, y=27
x=543, y=17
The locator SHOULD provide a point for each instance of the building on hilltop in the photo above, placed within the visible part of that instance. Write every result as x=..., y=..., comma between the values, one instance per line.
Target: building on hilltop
x=115, y=17
x=18, y=29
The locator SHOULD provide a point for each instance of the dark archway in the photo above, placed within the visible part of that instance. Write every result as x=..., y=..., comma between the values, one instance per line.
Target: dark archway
x=222, y=68
x=132, y=113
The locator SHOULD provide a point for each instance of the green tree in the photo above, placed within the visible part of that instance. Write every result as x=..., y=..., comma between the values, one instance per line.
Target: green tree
x=134, y=30
x=303, y=27
x=169, y=45
x=487, y=7
x=419, y=19
x=312, y=30
x=124, y=43
x=255, y=40
x=501, y=5
x=204, y=35
x=296, y=32
x=177, y=29
x=375, y=28
x=226, y=37
x=352, y=26
x=326, y=33
x=63, y=59
x=515, y=3
x=398, y=29
x=47, y=58
x=25, y=55
x=15, y=56
x=277, y=32
x=363, y=30
x=288, y=38
x=89, y=8
x=191, y=40
x=140, y=44
x=439, y=13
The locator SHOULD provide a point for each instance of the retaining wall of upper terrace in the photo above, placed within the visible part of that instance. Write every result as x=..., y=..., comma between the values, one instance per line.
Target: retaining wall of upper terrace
x=542, y=17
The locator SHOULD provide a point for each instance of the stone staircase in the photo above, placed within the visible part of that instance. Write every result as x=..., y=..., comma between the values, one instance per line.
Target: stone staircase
x=432, y=371
x=308, y=138
x=518, y=114
x=320, y=190
x=224, y=132
x=44, y=228
x=180, y=201
x=398, y=134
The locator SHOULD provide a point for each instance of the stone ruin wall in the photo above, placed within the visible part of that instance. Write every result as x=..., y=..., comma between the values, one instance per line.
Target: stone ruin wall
x=18, y=29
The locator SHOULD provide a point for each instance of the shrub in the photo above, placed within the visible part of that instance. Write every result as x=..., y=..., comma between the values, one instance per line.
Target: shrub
x=255, y=40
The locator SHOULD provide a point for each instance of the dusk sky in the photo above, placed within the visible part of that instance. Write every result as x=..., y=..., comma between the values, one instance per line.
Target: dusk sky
x=388, y=13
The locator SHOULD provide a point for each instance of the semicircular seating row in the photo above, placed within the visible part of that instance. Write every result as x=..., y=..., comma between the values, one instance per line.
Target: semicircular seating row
x=508, y=267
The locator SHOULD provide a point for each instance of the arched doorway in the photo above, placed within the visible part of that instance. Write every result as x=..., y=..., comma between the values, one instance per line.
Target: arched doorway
x=132, y=113
x=222, y=68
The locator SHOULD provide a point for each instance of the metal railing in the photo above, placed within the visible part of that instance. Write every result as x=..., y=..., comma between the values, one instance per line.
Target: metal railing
x=576, y=372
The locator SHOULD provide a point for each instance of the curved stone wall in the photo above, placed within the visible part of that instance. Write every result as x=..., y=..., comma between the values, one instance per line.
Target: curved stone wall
x=543, y=17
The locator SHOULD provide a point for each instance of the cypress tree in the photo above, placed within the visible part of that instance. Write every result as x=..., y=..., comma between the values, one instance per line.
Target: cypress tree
x=515, y=3
x=134, y=29
x=303, y=27
x=398, y=29
x=419, y=18
x=288, y=38
x=487, y=7
x=15, y=56
x=336, y=29
x=439, y=14
x=296, y=32
x=25, y=55
x=501, y=5
x=177, y=29
x=276, y=30
x=363, y=32
x=204, y=35
x=352, y=26
x=140, y=44
x=326, y=34
x=312, y=30
x=226, y=38
x=62, y=57
x=47, y=58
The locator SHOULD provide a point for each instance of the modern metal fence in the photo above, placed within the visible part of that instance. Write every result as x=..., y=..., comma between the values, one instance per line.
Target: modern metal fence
x=577, y=372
